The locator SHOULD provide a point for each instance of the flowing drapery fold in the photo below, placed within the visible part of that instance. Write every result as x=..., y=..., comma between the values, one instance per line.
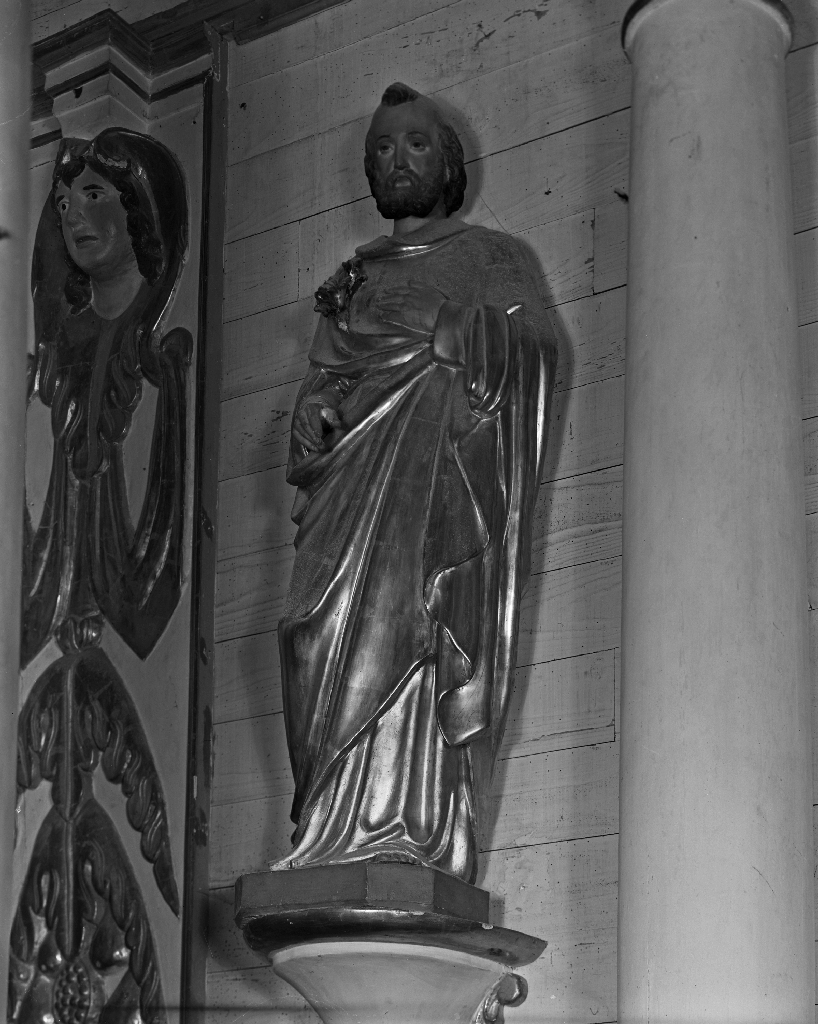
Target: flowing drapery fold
x=399, y=638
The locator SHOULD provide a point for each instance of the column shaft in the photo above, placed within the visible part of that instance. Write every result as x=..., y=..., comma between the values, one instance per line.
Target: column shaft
x=715, y=898
x=15, y=90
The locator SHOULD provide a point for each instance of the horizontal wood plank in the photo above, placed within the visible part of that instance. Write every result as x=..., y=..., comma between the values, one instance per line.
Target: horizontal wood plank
x=564, y=892
x=568, y=703
x=246, y=836
x=329, y=238
x=568, y=611
x=810, y=435
x=550, y=178
x=578, y=519
x=550, y=798
x=565, y=252
x=586, y=431
x=254, y=513
x=808, y=342
x=574, y=169
x=260, y=272
x=806, y=275
x=800, y=69
x=545, y=798
x=804, y=166
x=251, y=760
x=567, y=894
x=571, y=611
x=320, y=34
x=255, y=996
x=610, y=246
x=443, y=49
x=251, y=591
x=271, y=347
x=267, y=348
x=590, y=336
x=248, y=678
x=255, y=430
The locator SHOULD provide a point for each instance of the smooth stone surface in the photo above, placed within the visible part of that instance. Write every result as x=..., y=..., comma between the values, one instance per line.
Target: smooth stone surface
x=716, y=892
x=369, y=982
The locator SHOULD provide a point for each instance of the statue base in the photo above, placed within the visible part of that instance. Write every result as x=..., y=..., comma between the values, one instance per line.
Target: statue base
x=372, y=941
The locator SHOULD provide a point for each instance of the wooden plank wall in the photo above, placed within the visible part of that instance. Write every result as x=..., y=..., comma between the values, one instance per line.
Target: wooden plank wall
x=541, y=94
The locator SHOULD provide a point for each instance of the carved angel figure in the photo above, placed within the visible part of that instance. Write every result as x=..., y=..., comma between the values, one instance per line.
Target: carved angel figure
x=108, y=253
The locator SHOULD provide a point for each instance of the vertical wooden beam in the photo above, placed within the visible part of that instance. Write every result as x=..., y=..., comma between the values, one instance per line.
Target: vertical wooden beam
x=15, y=89
x=208, y=386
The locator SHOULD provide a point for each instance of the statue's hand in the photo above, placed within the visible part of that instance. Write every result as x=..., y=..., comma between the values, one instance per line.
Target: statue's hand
x=315, y=418
x=413, y=305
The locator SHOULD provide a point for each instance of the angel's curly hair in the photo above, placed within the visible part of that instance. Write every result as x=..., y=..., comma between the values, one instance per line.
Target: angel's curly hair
x=147, y=245
x=454, y=165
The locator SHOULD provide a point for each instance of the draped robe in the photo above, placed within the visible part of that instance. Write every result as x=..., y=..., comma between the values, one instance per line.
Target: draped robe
x=398, y=642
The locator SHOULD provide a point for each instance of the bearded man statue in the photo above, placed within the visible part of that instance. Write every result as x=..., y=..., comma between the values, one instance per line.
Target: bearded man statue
x=417, y=445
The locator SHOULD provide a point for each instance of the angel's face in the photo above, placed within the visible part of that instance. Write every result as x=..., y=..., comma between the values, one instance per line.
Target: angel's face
x=94, y=225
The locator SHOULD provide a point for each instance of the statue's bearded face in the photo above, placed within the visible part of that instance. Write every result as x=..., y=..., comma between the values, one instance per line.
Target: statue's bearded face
x=409, y=172
x=94, y=224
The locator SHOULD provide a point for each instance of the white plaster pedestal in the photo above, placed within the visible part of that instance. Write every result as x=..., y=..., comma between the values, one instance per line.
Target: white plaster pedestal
x=385, y=942
x=398, y=983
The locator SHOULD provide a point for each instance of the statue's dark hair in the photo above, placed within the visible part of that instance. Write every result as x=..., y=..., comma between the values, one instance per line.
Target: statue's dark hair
x=147, y=245
x=454, y=165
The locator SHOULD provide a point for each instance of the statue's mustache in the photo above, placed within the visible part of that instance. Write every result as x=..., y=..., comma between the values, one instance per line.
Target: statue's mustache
x=394, y=176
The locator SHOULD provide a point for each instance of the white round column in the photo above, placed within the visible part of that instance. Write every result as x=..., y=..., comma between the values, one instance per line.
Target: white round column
x=715, y=885
x=15, y=132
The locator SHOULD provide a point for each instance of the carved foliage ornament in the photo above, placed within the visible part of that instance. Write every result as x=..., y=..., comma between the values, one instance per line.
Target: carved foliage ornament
x=81, y=944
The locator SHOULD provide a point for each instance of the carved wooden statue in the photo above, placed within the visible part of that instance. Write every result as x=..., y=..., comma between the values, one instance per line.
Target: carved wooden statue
x=108, y=253
x=417, y=443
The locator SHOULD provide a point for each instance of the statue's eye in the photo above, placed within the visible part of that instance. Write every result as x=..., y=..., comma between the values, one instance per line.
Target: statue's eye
x=93, y=195
x=62, y=205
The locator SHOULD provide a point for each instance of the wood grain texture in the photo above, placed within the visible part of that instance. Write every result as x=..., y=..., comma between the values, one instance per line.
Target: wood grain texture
x=271, y=347
x=578, y=520
x=561, y=174
x=255, y=996
x=610, y=246
x=267, y=348
x=248, y=678
x=571, y=611
x=434, y=53
x=50, y=16
x=808, y=342
x=321, y=34
x=810, y=435
x=586, y=429
x=254, y=513
x=565, y=252
x=800, y=69
x=329, y=238
x=566, y=893
x=568, y=611
x=553, y=797
x=806, y=274
x=804, y=165
x=561, y=891
x=255, y=430
x=575, y=169
x=590, y=339
x=260, y=272
x=567, y=703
